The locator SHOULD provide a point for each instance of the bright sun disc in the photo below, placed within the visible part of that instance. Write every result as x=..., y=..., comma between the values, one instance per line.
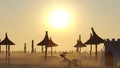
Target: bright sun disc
x=59, y=19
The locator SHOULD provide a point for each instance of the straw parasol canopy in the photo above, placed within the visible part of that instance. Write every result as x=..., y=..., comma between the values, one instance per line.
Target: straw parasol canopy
x=6, y=41
x=51, y=44
x=95, y=40
x=90, y=40
x=79, y=44
x=44, y=41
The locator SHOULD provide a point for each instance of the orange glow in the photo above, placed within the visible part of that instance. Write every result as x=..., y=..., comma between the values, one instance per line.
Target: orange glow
x=59, y=19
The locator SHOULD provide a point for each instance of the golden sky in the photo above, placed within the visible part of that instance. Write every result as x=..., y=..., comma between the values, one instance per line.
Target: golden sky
x=25, y=20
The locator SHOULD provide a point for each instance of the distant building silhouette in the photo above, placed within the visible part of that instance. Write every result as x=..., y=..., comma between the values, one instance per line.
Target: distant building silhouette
x=112, y=52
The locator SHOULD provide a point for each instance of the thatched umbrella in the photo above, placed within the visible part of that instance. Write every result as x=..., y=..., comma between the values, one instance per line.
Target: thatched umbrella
x=95, y=39
x=7, y=42
x=44, y=42
x=79, y=44
x=51, y=44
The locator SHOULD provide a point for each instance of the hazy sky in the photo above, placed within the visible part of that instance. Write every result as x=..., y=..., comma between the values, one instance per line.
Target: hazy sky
x=25, y=20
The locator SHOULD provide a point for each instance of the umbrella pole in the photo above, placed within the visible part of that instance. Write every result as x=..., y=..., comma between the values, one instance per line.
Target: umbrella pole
x=6, y=51
x=80, y=50
x=77, y=49
x=42, y=48
x=96, y=51
x=45, y=52
x=90, y=51
x=51, y=51
x=0, y=48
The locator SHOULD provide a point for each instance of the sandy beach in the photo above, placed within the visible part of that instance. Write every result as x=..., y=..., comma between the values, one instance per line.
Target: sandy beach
x=36, y=60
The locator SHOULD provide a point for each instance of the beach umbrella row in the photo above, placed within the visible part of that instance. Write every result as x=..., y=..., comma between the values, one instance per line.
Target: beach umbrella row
x=47, y=43
x=7, y=42
x=93, y=40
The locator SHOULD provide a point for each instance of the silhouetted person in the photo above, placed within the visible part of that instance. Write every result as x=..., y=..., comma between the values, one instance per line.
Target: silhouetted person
x=32, y=46
x=25, y=48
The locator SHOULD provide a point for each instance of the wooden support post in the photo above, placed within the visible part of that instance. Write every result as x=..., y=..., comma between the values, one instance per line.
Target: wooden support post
x=6, y=51
x=8, y=54
x=0, y=49
x=51, y=51
x=77, y=49
x=80, y=50
x=45, y=52
x=96, y=51
x=90, y=51
x=42, y=49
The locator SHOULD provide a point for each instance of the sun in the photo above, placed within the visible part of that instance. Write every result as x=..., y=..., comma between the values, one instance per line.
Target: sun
x=59, y=19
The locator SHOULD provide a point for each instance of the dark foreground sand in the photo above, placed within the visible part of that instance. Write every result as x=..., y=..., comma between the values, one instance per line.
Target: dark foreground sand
x=36, y=60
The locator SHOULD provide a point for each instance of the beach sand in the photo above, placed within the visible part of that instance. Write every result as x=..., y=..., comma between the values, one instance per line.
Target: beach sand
x=36, y=60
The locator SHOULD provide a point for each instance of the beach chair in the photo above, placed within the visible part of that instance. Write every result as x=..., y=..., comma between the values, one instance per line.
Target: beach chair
x=69, y=62
x=76, y=61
